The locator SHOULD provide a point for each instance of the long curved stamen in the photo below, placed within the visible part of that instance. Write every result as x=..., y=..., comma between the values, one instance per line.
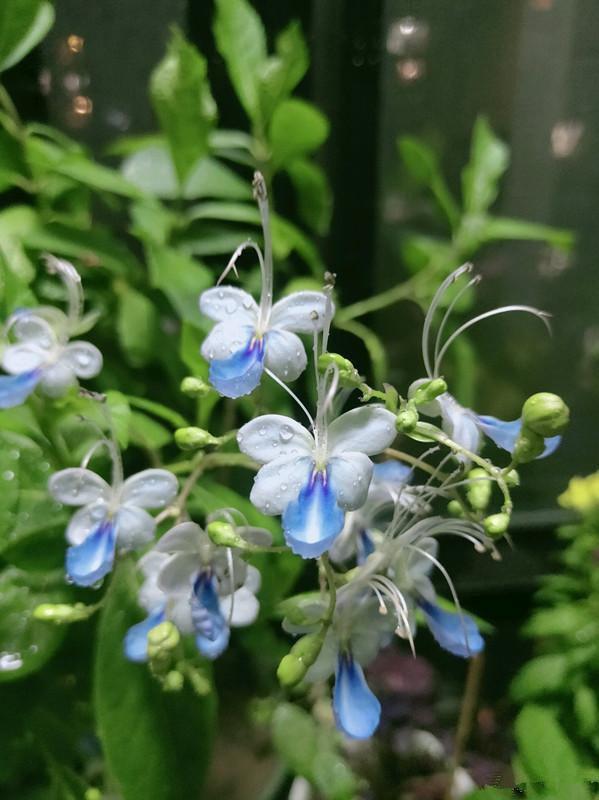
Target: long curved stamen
x=382, y=585
x=93, y=450
x=430, y=314
x=232, y=265
x=542, y=315
x=72, y=282
x=261, y=197
x=292, y=394
x=472, y=282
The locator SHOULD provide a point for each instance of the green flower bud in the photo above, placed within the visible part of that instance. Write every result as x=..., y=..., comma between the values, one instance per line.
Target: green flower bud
x=348, y=374
x=173, y=681
x=497, y=524
x=479, y=492
x=546, y=414
x=455, y=508
x=93, y=794
x=194, y=438
x=406, y=419
x=308, y=647
x=529, y=445
x=199, y=682
x=195, y=387
x=512, y=479
x=163, y=639
x=428, y=391
x=291, y=670
x=225, y=535
x=61, y=613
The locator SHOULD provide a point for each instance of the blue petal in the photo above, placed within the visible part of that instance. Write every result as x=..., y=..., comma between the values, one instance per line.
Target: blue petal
x=15, y=389
x=357, y=710
x=504, y=434
x=241, y=373
x=90, y=561
x=313, y=521
x=136, y=639
x=551, y=445
x=457, y=633
x=210, y=625
x=391, y=472
x=364, y=546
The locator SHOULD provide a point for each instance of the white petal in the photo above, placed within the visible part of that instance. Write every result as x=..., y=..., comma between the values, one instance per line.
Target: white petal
x=18, y=358
x=225, y=339
x=253, y=579
x=134, y=527
x=84, y=359
x=57, y=380
x=151, y=563
x=85, y=520
x=183, y=538
x=273, y=435
x=303, y=312
x=255, y=535
x=460, y=424
x=324, y=666
x=177, y=573
x=277, y=484
x=285, y=354
x=151, y=488
x=150, y=595
x=32, y=328
x=178, y=610
x=245, y=607
x=367, y=430
x=78, y=487
x=349, y=477
x=228, y=302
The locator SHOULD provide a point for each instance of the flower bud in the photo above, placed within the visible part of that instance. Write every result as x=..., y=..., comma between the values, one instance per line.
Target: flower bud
x=512, y=479
x=173, y=681
x=406, y=419
x=428, y=391
x=199, y=682
x=195, y=387
x=92, y=794
x=194, y=438
x=455, y=508
x=291, y=670
x=61, y=613
x=163, y=639
x=348, y=374
x=225, y=535
x=308, y=647
x=546, y=414
x=497, y=524
x=529, y=445
x=479, y=491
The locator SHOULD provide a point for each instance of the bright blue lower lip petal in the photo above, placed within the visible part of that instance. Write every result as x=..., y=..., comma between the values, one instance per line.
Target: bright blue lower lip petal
x=15, y=389
x=457, y=633
x=551, y=445
x=241, y=373
x=391, y=472
x=91, y=560
x=210, y=625
x=503, y=433
x=364, y=546
x=136, y=639
x=357, y=710
x=313, y=521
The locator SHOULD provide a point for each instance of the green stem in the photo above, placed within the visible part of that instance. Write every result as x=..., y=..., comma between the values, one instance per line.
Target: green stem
x=330, y=575
x=403, y=291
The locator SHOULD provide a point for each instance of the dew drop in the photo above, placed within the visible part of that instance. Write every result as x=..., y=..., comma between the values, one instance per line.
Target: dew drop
x=247, y=303
x=10, y=661
x=221, y=294
x=262, y=431
x=283, y=487
x=286, y=433
x=8, y=475
x=14, y=454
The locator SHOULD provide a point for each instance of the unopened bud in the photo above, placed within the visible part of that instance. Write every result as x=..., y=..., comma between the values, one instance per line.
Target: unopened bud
x=162, y=639
x=496, y=524
x=92, y=794
x=199, y=682
x=428, y=391
x=529, y=445
x=546, y=414
x=406, y=419
x=291, y=670
x=225, y=535
x=512, y=479
x=455, y=508
x=479, y=491
x=194, y=438
x=308, y=647
x=173, y=681
x=61, y=613
x=348, y=374
x=195, y=387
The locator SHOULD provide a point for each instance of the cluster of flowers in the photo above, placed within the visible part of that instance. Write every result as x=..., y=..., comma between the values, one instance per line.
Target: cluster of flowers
x=372, y=529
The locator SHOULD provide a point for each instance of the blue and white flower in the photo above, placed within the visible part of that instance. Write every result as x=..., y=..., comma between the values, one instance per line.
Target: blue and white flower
x=111, y=516
x=37, y=351
x=464, y=426
x=202, y=589
x=250, y=338
x=313, y=479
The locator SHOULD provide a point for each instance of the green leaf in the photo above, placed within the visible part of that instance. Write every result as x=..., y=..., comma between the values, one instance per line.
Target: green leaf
x=23, y=24
x=146, y=432
x=12, y=164
x=157, y=745
x=586, y=710
x=546, y=754
x=314, y=195
x=136, y=325
x=559, y=621
x=281, y=73
x=241, y=41
x=543, y=675
x=489, y=159
x=296, y=128
x=423, y=165
x=172, y=417
x=182, y=100
x=25, y=643
x=120, y=414
x=180, y=278
x=500, y=228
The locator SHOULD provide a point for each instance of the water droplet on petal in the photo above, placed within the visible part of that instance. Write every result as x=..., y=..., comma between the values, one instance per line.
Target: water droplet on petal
x=262, y=431
x=231, y=306
x=221, y=294
x=286, y=433
x=247, y=303
x=283, y=487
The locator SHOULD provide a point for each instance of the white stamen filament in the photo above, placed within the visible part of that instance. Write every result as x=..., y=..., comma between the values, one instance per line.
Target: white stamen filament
x=261, y=196
x=72, y=282
x=472, y=282
x=294, y=397
x=382, y=585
